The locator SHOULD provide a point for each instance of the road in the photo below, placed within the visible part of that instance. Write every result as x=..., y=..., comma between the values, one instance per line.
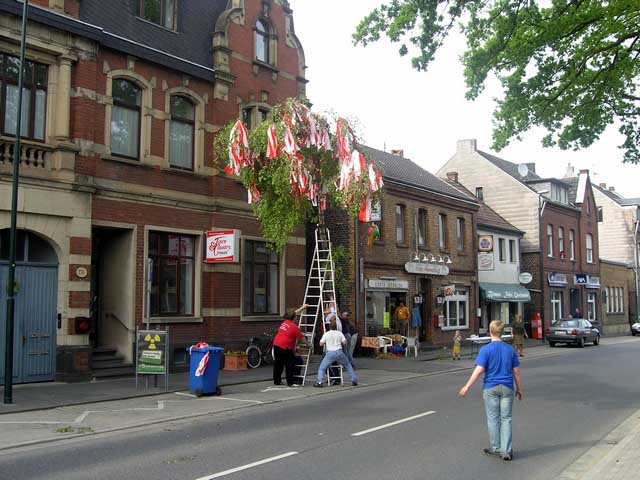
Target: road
x=572, y=400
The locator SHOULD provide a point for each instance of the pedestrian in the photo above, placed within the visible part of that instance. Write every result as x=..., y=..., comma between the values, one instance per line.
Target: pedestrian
x=500, y=365
x=577, y=313
x=330, y=312
x=284, y=347
x=334, y=341
x=457, y=342
x=347, y=331
x=519, y=332
x=401, y=315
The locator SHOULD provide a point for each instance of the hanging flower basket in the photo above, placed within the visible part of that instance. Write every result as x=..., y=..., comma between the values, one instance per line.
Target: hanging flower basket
x=294, y=169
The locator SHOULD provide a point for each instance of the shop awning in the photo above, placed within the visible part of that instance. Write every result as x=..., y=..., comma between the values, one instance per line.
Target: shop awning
x=504, y=292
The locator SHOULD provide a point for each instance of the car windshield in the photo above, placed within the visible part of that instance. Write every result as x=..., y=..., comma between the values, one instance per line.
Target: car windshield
x=569, y=324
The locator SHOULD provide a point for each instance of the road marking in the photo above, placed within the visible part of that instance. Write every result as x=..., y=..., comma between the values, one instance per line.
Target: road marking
x=397, y=422
x=238, y=400
x=246, y=467
x=185, y=394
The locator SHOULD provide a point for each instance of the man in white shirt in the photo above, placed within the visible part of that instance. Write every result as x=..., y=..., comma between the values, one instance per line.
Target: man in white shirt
x=334, y=340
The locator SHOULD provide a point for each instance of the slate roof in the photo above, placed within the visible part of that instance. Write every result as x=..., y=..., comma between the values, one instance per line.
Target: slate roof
x=625, y=202
x=192, y=41
x=486, y=216
x=403, y=170
x=509, y=167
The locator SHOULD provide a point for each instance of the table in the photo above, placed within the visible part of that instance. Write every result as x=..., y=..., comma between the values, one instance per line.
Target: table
x=477, y=341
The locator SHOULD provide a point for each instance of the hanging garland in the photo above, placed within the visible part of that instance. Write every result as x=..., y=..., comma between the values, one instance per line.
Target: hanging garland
x=293, y=167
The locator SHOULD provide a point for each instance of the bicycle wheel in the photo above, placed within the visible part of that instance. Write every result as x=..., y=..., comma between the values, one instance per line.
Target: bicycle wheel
x=254, y=356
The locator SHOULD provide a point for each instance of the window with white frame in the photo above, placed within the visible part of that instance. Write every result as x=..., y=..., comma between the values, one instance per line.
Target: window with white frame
x=125, y=119
x=181, y=133
x=262, y=41
x=621, y=299
x=550, y=240
x=442, y=231
x=614, y=292
x=589, y=248
x=501, y=250
x=605, y=299
x=561, y=242
x=422, y=228
x=400, y=234
x=572, y=245
x=460, y=233
x=162, y=12
x=456, y=310
x=591, y=306
x=556, y=305
x=513, y=252
x=261, y=279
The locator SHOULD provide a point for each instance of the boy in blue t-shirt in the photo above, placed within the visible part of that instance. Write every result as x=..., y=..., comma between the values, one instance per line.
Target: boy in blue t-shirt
x=500, y=365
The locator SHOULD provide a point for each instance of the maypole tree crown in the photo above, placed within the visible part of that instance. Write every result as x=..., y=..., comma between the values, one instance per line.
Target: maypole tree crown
x=294, y=169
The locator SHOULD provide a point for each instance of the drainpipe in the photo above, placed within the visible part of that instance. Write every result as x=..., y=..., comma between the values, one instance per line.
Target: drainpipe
x=540, y=241
x=637, y=256
x=356, y=263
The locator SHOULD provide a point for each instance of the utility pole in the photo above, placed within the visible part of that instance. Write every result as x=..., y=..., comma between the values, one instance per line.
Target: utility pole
x=11, y=290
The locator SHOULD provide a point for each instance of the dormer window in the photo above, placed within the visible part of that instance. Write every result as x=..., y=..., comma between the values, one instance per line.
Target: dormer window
x=262, y=41
x=162, y=12
x=559, y=194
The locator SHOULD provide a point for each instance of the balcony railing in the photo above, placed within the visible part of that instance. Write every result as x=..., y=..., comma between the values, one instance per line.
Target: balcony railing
x=33, y=155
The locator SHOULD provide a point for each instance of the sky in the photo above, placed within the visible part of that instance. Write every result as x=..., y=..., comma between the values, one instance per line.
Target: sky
x=425, y=113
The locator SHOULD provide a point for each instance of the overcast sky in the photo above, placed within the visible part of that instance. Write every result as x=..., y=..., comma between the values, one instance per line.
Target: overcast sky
x=424, y=113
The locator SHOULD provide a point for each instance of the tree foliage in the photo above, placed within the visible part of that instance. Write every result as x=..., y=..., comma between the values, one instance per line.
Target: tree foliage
x=569, y=66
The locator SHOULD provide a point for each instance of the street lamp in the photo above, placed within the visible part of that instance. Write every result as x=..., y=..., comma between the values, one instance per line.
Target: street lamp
x=11, y=290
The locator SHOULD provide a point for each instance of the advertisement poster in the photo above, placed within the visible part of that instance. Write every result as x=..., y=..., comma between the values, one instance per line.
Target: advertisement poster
x=152, y=350
x=485, y=261
x=222, y=246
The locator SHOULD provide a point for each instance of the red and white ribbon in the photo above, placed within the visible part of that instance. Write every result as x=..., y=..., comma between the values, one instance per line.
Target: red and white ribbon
x=253, y=194
x=239, y=154
x=202, y=366
x=365, y=210
x=290, y=146
x=272, y=142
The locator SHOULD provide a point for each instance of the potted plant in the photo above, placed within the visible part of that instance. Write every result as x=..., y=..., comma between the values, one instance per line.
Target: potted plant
x=235, y=360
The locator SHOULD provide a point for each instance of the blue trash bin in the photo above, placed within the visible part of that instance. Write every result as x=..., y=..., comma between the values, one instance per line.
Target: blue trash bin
x=207, y=383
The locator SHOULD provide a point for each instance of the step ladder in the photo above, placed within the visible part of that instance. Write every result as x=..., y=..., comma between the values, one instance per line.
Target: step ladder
x=320, y=292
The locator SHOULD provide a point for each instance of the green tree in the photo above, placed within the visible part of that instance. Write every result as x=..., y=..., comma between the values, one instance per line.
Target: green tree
x=569, y=66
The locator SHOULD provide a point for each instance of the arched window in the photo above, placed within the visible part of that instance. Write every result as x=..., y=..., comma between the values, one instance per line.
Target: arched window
x=181, y=133
x=262, y=41
x=125, y=119
x=30, y=248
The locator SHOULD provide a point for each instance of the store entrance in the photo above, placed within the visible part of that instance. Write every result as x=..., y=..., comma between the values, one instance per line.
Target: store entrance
x=380, y=307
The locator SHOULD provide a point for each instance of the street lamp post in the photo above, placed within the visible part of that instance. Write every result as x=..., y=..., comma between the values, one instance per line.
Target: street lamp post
x=11, y=290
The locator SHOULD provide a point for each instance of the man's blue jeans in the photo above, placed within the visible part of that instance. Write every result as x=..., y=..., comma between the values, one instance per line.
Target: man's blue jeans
x=335, y=356
x=498, y=403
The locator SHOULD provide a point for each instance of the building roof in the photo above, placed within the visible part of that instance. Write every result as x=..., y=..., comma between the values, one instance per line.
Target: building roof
x=191, y=41
x=403, y=170
x=509, y=167
x=486, y=216
x=616, y=197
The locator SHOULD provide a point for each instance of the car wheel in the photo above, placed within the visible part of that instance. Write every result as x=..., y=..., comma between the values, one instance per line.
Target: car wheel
x=552, y=344
x=597, y=340
x=581, y=342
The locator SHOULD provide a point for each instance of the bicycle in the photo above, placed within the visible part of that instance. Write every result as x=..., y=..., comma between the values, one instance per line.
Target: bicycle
x=260, y=348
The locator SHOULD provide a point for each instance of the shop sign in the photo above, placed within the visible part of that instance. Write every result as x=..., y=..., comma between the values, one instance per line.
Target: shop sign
x=151, y=349
x=486, y=261
x=592, y=282
x=525, y=277
x=388, y=284
x=376, y=212
x=222, y=246
x=580, y=279
x=485, y=243
x=557, y=279
x=426, y=268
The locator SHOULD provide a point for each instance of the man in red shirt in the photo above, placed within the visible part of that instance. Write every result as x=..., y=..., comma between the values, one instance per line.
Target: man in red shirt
x=284, y=347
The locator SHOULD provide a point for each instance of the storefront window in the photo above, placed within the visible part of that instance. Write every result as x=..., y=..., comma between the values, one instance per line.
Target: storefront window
x=261, y=279
x=556, y=305
x=591, y=306
x=456, y=310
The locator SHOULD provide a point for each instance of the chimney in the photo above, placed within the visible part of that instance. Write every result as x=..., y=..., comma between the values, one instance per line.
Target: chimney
x=569, y=172
x=584, y=172
x=452, y=177
x=399, y=153
x=531, y=167
x=603, y=186
x=467, y=146
x=612, y=188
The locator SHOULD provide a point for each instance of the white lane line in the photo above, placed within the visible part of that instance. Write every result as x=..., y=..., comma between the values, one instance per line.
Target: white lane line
x=246, y=467
x=185, y=394
x=238, y=400
x=397, y=422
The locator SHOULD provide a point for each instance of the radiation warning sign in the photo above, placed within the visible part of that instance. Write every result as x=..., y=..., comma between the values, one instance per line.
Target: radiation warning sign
x=152, y=351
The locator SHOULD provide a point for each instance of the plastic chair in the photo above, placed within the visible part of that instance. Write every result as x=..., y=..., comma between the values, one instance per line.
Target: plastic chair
x=384, y=343
x=411, y=342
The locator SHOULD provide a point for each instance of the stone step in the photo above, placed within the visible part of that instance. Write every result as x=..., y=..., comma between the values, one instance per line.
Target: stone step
x=125, y=370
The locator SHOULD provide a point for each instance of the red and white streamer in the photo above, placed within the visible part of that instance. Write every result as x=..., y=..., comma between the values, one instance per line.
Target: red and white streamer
x=272, y=142
x=202, y=366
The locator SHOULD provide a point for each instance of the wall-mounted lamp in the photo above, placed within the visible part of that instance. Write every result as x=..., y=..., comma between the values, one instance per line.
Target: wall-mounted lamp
x=449, y=261
x=440, y=259
x=415, y=257
x=424, y=258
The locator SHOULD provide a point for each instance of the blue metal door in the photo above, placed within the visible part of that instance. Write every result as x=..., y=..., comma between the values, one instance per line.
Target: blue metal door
x=34, y=350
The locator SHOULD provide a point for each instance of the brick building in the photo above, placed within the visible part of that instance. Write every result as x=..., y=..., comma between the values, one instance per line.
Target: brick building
x=560, y=244
x=118, y=177
x=427, y=242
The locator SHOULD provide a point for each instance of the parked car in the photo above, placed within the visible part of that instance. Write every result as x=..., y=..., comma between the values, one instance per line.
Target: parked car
x=635, y=328
x=576, y=331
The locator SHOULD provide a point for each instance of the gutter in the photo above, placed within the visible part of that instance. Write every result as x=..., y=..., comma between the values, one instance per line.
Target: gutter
x=428, y=190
